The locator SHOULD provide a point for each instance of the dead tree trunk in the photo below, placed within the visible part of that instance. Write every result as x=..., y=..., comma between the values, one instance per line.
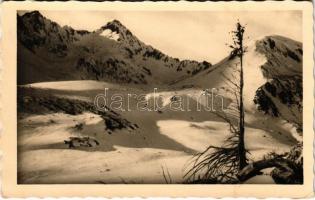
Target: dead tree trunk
x=239, y=50
x=242, y=150
x=255, y=168
x=288, y=167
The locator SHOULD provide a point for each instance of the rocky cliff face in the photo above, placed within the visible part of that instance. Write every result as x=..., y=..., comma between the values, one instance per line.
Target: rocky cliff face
x=49, y=52
x=36, y=32
x=282, y=94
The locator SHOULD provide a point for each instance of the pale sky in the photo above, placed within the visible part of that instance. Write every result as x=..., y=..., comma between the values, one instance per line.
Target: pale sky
x=188, y=35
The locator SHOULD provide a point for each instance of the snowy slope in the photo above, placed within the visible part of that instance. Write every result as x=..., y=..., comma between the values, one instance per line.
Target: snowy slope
x=272, y=82
x=164, y=141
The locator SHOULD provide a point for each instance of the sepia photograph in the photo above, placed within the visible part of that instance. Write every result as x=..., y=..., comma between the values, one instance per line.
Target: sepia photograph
x=159, y=97
x=148, y=99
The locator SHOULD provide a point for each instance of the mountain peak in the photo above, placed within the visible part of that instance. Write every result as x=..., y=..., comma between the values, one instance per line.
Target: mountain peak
x=115, y=26
x=34, y=15
x=117, y=22
x=123, y=59
x=119, y=30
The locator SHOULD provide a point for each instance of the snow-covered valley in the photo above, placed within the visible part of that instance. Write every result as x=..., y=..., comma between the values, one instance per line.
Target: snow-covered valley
x=163, y=141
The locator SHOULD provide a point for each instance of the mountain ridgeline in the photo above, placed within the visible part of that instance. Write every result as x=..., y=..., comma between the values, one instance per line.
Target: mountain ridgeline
x=49, y=52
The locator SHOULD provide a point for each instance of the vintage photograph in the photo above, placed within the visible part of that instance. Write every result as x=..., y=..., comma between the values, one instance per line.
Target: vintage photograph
x=159, y=97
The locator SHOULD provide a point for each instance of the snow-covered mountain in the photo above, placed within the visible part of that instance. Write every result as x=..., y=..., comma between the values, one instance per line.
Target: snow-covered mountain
x=282, y=94
x=272, y=79
x=272, y=65
x=49, y=52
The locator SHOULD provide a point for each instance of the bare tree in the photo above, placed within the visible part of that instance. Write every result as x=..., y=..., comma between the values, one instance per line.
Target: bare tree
x=238, y=50
x=228, y=163
x=222, y=164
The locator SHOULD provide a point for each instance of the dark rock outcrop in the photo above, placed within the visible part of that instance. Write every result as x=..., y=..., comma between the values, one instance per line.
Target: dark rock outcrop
x=282, y=95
